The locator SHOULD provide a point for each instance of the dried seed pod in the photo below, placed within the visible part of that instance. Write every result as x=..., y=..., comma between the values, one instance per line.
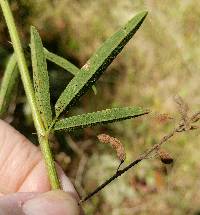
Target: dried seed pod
x=183, y=109
x=104, y=138
x=115, y=143
x=195, y=117
x=165, y=157
x=182, y=105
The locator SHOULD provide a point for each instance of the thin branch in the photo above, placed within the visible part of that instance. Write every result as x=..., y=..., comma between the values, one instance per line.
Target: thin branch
x=116, y=175
x=180, y=128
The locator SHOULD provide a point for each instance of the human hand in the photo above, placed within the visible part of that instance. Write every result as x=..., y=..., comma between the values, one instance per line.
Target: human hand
x=24, y=185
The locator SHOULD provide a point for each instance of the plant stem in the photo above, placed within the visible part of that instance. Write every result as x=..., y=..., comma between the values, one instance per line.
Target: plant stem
x=112, y=178
x=43, y=138
x=50, y=164
x=180, y=128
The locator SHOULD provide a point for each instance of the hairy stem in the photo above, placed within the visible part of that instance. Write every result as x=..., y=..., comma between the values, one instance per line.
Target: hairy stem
x=43, y=138
x=50, y=164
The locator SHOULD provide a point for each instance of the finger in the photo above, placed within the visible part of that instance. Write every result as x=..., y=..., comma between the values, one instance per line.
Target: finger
x=12, y=204
x=37, y=181
x=21, y=165
x=17, y=158
x=52, y=203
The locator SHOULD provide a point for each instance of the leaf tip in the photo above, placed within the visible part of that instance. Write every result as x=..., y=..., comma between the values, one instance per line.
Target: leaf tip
x=33, y=29
x=143, y=13
x=147, y=111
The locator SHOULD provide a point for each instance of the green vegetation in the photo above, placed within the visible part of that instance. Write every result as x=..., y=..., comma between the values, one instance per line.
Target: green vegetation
x=99, y=117
x=40, y=78
x=162, y=60
x=8, y=84
x=39, y=98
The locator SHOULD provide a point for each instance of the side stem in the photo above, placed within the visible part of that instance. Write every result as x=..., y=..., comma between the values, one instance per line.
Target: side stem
x=180, y=128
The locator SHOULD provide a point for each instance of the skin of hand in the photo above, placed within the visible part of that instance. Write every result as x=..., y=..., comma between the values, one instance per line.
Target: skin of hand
x=24, y=185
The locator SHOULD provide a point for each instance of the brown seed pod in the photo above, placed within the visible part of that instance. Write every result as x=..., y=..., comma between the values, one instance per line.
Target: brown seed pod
x=182, y=105
x=183, y=109
x=115, y=143
x=165, y=157
x=195, y=117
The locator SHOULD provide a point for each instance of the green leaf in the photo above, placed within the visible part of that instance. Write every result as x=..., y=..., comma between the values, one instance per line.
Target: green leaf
x=65, y=64
x=8, y=84
x=40, y=78
x=62, y=62
x=98, y=63
x=99, y=117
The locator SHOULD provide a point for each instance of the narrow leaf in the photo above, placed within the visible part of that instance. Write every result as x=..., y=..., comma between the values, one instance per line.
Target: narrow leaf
x=40, y=78
x=98, y=63
x=62, y=62
x=65, y=64
x=99, y=117
x=8, y=84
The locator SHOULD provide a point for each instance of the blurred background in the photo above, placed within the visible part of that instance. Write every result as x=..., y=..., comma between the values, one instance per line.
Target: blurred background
x=161, y=60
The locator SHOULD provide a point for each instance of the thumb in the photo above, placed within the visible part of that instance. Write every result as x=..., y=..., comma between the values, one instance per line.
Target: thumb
x=52, y=203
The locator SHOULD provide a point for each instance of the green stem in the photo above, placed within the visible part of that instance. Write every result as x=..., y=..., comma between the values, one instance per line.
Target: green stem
x=50, y=164
x=43, y=138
